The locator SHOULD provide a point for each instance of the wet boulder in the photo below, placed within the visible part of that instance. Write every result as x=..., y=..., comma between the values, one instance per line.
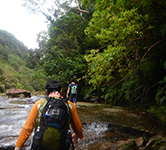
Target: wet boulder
x=155, y=142
x=11, y=93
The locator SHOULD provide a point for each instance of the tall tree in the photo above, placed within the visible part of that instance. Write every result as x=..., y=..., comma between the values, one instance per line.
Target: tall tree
x=61, y=55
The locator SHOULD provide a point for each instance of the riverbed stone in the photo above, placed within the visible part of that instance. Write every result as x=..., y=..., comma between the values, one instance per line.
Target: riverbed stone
x=11, y=93
x=114, y=109
x=106, y=146
x=156, y=140
x=163, y=148
x=139, y=141
x=10, y=107
x=119, y=145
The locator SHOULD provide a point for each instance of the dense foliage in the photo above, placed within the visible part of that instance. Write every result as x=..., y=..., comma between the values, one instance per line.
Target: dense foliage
x=131, y=67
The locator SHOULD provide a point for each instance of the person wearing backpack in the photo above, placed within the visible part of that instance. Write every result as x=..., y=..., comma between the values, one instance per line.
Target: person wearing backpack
x=72, y=92
x=51, y=118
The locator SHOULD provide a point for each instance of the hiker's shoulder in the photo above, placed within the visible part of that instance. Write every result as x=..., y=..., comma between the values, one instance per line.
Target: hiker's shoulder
x=71, y=105
x=70, y=84
x=75, y=84
x=39, y=101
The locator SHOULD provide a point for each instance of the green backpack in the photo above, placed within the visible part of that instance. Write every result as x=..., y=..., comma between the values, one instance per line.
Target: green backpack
x=74, y=89
x=53, y=131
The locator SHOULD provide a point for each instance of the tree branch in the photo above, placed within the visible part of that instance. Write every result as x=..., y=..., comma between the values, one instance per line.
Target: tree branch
x=139, y=62
x=144, y=38
x=78, y=7
x=150, y=49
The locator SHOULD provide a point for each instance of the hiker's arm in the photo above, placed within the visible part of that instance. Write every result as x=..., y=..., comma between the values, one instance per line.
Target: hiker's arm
x=77, y=89
x=67, y=94
x=28, y=127
x=76, y=125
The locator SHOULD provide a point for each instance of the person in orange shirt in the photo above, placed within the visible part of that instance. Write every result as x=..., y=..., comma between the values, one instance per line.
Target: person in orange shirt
x=52, y=89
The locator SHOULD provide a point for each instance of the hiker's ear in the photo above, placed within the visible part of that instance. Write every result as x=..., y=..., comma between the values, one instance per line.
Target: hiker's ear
x=46, y=91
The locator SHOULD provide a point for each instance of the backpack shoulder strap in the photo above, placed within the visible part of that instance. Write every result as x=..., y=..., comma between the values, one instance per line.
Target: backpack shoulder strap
x=67, y=104
x=39, y=113
x=68, y=110
x=48, y=98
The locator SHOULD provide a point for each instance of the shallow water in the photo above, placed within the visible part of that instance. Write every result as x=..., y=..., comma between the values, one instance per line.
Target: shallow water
x=99, y=124
x=12, y=118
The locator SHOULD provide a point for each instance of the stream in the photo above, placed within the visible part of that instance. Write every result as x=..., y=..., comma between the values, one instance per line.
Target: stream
x=103, y=127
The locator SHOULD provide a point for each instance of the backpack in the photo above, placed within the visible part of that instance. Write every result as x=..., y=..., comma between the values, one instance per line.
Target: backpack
x=73, y=89
x=53, y=132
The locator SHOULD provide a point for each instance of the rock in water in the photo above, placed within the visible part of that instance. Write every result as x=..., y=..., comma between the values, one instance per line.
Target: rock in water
x=11, y=93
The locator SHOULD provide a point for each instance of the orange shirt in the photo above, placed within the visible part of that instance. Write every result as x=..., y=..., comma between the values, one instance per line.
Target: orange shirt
x=31, y=123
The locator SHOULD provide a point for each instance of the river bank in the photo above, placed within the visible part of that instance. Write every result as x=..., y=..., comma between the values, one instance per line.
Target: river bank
x=124, y=115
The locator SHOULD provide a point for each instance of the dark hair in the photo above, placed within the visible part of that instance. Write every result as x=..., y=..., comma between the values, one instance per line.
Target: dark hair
x=72, y=80
x=53, y=85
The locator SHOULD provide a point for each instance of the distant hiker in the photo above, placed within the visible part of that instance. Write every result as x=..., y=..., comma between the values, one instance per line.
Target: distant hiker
x=72, y=91
x=51, y=117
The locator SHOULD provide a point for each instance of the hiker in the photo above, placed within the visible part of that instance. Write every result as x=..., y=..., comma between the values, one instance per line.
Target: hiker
x=53, y=91
x=72, y=92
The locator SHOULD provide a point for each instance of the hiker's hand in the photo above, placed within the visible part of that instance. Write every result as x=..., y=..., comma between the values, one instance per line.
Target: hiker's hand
x=17, y=148
x=74, y=138
x=67, y=96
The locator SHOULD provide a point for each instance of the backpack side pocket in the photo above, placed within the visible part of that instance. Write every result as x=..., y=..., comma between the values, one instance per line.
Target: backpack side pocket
x=36, y=144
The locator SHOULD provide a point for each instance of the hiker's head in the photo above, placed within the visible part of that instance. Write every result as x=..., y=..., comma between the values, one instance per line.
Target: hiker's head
x=53, y=85
x=72, y=80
